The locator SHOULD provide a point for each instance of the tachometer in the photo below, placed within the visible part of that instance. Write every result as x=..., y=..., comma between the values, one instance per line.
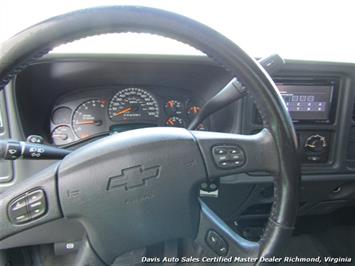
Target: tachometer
x=133, y=104
x=89, y=118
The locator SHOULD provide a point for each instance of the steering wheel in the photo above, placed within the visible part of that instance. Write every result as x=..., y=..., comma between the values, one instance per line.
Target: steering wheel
x=133, y=189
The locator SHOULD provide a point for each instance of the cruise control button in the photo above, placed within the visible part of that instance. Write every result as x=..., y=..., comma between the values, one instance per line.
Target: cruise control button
x=18, y=204
x=37, y=212
x=228, y=156
x=22, y=218
x=219, y=150
x=36, y=209
x=222, y=158
x=224, y=164
x=17, y=211
x=237, y=157
x=27, y=207
x=238, y=163
x=35, y=196
x=36, y=203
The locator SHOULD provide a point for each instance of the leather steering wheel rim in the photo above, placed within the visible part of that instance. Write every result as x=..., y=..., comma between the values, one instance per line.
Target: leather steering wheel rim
x=32, y=43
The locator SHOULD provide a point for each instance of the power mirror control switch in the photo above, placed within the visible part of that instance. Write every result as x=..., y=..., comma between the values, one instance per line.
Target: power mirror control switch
x=228, y=156
x=27, y=207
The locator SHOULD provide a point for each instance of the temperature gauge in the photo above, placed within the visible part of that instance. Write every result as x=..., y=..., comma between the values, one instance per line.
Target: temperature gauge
x=175, y=121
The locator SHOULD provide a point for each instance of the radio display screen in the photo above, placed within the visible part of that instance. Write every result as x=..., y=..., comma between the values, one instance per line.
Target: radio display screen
x=307, y=102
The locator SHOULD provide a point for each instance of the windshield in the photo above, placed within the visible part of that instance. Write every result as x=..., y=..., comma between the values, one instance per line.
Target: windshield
x=321, y=30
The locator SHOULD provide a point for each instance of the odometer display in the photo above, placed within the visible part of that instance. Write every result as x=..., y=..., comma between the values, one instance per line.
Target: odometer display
x=133, y=104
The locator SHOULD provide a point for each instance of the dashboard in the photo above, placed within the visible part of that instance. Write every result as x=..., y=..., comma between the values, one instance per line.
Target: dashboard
x=107, y=110
x=71, y=100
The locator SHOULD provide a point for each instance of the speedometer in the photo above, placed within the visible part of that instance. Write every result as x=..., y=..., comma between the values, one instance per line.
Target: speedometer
x=133, y=104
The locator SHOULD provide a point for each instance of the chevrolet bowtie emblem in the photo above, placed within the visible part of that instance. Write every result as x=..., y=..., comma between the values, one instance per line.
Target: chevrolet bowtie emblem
x=133, y=177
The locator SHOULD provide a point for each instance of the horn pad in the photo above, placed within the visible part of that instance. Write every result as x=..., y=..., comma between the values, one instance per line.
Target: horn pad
x=133, y=189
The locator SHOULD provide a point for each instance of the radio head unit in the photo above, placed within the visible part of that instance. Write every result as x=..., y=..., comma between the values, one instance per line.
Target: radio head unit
x=309, y=100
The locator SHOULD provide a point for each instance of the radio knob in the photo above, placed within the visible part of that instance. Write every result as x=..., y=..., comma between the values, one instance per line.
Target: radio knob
x=315, y=143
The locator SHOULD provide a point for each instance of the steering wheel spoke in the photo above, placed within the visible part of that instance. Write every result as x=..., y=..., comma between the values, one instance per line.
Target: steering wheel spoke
x=220, y=242
x=226, y=154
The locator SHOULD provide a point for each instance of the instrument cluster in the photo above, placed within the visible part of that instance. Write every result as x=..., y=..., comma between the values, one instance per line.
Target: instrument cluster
x=111, y=110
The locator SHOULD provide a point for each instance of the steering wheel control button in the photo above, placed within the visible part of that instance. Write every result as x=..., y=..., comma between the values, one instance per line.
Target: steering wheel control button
x=17, y=211
x=228, y=156
x=29, y=206
x=13, y=150
x=216, y=243
x=35, y=196
x=219, y=150
x=36, y=203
